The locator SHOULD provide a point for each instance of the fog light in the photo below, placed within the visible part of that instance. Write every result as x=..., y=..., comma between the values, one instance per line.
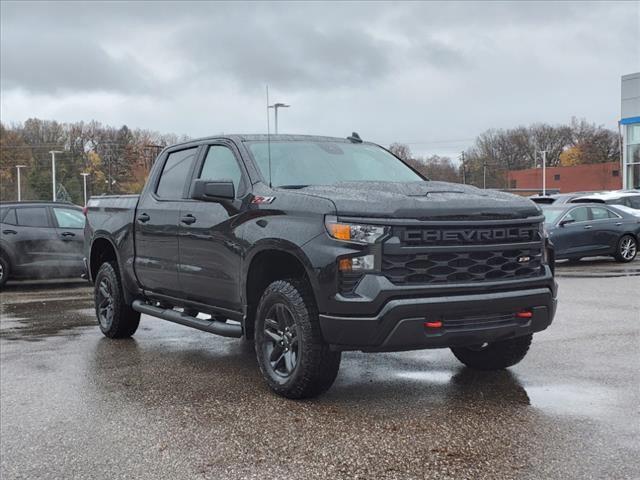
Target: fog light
x=356, y=264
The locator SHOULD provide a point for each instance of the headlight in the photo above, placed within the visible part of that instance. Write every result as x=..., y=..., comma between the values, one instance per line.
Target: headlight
x=352, y=232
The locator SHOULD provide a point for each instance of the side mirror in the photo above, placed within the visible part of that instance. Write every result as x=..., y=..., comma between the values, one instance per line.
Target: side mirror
x=565, y=222
x=212, y=190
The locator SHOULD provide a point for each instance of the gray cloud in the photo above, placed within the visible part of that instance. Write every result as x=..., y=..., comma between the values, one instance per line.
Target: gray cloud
x=422, y=72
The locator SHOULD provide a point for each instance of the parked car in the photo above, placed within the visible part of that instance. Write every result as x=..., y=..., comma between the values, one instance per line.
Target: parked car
x=627, y=198
x=578, y=231
x=556, y=199
x=41, y=240
x=310, y=246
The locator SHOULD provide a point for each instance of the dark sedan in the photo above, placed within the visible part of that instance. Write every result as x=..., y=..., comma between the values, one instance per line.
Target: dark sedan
x=41, y=240
x=578, y=231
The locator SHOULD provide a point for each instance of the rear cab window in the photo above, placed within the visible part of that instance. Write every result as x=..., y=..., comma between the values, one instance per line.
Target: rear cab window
x=175, y=172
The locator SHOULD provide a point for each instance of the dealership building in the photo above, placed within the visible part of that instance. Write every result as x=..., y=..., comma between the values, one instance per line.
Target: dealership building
x=630, y=130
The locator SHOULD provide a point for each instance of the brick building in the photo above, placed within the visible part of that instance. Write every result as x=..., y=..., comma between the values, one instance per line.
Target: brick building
x=597, y=176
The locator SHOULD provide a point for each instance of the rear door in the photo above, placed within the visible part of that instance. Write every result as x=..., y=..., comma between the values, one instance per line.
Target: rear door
x=69, y=224
x=607, y=228
x=209, y=251
x=156, y=222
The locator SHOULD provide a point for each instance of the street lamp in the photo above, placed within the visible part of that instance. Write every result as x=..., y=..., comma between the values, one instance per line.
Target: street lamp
x=18, y=167
x=275, y=107
x=53, y=171
x=84, y=181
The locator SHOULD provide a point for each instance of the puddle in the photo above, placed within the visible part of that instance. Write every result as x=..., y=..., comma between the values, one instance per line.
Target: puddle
x=573, y=400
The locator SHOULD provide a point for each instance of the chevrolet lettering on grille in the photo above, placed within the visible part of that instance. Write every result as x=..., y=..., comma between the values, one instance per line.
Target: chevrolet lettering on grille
x=469, y=236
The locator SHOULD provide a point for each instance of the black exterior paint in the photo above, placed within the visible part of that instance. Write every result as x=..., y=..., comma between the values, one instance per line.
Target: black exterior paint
x=205, y=264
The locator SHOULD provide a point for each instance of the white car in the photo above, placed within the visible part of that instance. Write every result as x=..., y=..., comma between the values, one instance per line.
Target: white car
x=628, y=199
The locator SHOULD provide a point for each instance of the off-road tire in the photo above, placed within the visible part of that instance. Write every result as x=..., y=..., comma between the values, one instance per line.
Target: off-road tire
x=317, y=365
x=619, y=255
x=124, y=320
x=496, y=355
x=6, y=270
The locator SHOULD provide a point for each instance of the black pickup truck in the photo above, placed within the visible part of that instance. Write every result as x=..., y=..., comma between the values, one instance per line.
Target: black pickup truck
x=310, y=246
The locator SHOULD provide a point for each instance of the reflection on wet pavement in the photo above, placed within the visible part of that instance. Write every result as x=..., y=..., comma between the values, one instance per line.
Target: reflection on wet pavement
x=178, y=403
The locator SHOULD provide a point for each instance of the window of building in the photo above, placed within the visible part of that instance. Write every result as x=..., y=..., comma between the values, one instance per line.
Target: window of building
x=556, y=177
x=513, y=184
x=221, y=164
x=33, y=217
x=174, y=173
x=615, y=173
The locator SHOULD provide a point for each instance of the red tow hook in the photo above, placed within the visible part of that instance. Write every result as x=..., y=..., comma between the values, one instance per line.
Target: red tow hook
x=436, y=324
x=524, y=314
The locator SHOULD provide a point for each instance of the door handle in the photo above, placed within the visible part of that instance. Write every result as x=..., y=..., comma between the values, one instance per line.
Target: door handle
x=9, y=232
x=68, y=234
x=618, y=224
x=188, y=219
x=143, y=217
x=587, y=227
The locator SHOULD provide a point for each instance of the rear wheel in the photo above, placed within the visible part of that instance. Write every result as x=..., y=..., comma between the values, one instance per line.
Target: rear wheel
x=627, y=249
x=293, y=358
x=115, y=318
x=494, y=356
x=5, y=269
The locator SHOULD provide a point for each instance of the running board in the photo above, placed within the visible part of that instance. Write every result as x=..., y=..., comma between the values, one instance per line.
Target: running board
x=211, y=326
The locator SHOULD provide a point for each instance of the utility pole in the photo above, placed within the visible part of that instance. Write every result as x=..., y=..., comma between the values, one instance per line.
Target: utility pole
x=84, y=178
x=18, y=167
x=53, y=171
x=464, y=176
x=275, y=107
x=484, y=175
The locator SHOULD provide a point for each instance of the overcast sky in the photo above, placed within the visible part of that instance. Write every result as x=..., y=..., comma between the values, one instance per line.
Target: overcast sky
x=433, y=75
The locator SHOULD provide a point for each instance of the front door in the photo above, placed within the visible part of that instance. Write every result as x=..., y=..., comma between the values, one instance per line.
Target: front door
x=209, y=251
x=574, y=238
x=70, y=238
x=156, y=224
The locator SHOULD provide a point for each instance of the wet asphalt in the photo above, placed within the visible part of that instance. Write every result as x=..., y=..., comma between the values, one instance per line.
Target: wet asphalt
x=178, y=403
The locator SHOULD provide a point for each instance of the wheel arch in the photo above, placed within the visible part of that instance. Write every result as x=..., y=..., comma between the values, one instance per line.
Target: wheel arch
x=267, y=263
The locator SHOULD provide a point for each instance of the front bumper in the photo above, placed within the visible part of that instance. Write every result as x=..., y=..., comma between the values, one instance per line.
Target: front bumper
x=467, y=319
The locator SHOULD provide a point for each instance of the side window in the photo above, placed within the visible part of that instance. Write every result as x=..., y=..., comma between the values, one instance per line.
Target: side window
x=613, y=214
x=68, y=218
x=578, y=214
x=635, y=202
x=33, y=217
x=175, y=172
x=8, y=215
x=221, y=164
x=599, y=213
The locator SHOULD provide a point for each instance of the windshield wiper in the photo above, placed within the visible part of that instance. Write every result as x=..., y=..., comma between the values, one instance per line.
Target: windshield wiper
x=293, y=187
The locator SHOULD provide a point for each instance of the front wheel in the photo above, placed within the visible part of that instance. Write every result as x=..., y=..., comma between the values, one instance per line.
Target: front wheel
x=115, y=318
x=627, y=249
x=5, y=269
x=494, y=356
x=293, y=358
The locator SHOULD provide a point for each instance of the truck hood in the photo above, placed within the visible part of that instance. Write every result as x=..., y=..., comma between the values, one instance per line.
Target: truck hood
x=422, y=200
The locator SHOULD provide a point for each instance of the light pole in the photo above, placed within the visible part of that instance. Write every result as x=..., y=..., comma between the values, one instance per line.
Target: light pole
x=53, y=171
x=84, y=181
x=18, y=167
x=544, y=172
x=275, y=107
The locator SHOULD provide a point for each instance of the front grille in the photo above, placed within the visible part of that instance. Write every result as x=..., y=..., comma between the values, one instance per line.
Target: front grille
x=461, y=254
x=481, y=321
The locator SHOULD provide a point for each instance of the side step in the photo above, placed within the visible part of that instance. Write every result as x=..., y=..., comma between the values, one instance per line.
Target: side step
x=211, y=326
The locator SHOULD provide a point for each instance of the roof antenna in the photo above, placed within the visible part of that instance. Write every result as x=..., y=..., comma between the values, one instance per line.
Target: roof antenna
x=269, y=137
x=354, y=138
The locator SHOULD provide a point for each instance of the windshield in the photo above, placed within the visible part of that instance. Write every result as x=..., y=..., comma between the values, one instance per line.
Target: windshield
x=303, y=163
x=551, y=215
